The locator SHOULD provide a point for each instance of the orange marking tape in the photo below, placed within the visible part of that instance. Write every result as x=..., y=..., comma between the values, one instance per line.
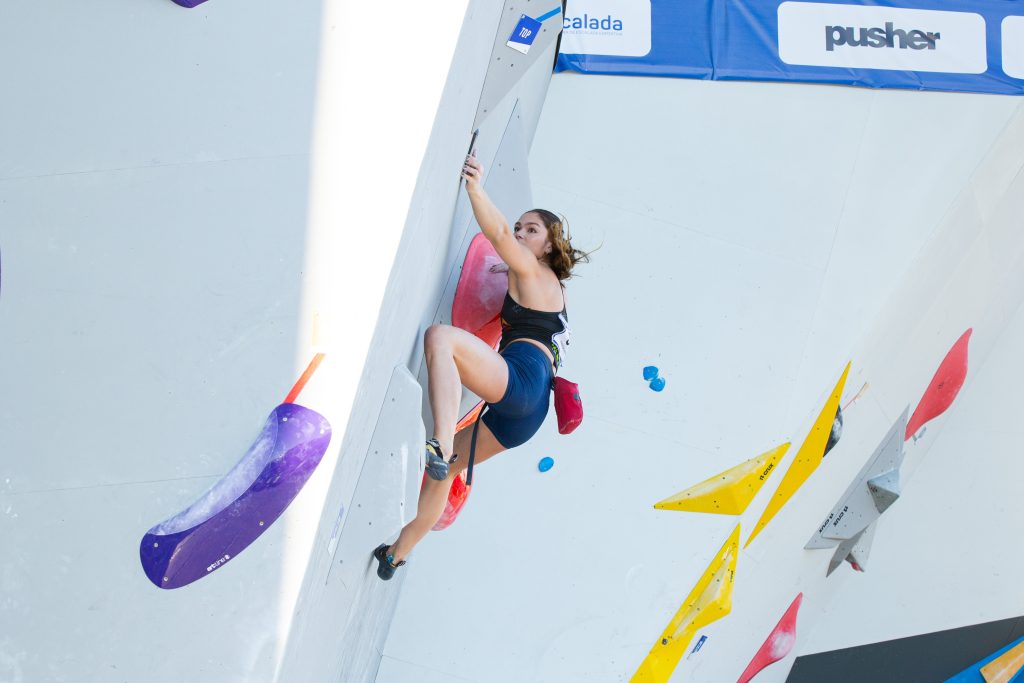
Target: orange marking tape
x=301, y=384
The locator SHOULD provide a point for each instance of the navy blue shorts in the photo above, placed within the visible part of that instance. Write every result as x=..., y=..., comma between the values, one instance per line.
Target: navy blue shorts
x=521, y=411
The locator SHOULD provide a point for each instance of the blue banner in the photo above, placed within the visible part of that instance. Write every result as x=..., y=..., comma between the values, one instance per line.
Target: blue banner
x=967, y=46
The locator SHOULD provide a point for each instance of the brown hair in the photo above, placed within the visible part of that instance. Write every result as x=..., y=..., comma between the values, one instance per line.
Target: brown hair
x=563, y=256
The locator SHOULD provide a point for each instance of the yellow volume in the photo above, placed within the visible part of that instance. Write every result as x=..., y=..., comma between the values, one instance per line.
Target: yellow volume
x=729, y=492
x=1005, y=667
x=709, y=601
x=807, y=458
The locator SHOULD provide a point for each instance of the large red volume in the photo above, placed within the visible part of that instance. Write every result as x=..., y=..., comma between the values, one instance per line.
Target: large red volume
x=780, y=642
x=945, y=385
x=480, y=293
x=476, y=308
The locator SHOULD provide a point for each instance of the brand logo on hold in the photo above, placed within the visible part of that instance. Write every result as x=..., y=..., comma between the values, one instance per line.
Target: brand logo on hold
x=218, y=563
x=872, y=37
x=607, y=27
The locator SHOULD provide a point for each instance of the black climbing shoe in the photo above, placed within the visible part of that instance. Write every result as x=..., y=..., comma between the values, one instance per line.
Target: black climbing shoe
x=385, y=569
x=437, y=468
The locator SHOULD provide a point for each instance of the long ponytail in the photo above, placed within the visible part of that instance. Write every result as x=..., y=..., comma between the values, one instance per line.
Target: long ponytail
x=563, y=257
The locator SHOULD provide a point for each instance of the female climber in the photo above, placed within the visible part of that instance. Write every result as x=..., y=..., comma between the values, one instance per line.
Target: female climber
x=514, y=381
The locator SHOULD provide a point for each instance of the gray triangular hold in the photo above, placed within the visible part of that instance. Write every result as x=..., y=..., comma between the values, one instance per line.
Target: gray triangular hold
x=860, y=551
x=840, y=554
x=819, y=542
x=846, y=547
x=834, y=563
x=885, y=489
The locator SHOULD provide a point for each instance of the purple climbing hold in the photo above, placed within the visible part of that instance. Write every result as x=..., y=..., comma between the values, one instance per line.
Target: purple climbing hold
x=189, y=3
x=242, y=505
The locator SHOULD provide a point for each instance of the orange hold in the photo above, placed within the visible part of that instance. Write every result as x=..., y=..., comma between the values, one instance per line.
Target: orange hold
x=470, y=417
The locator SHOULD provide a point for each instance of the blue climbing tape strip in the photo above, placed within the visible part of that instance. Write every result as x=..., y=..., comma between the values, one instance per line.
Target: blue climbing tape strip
x=543, y=18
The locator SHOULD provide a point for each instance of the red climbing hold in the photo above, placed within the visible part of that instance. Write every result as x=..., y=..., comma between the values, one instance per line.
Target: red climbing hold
x=459, y=492
x=457, y=496
x=779, y=643
x=480, y=292
x=477, y=309
x=945, y=385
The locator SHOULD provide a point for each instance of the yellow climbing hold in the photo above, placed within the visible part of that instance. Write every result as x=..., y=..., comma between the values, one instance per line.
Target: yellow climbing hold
x=729, y=492
x=807, y=458
x=709, y=601
x=1005, y=667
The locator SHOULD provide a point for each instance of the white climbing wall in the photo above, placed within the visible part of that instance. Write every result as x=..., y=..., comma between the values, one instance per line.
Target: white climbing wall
x=754, y=238
x=192, y=202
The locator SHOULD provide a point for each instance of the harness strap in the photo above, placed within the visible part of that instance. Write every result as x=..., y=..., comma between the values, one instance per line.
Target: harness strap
x=472, y=446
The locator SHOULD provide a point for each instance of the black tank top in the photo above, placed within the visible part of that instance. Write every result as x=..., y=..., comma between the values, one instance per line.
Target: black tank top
x=550, y=329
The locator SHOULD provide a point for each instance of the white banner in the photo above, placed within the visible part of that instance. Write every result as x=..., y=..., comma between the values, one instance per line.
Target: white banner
x=873, y=37
x=619, y=28
x=1013, y=47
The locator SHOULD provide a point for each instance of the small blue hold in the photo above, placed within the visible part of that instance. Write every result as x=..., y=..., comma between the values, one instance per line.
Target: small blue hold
x=545, y=464
x=650, y=372
x=657, y=384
